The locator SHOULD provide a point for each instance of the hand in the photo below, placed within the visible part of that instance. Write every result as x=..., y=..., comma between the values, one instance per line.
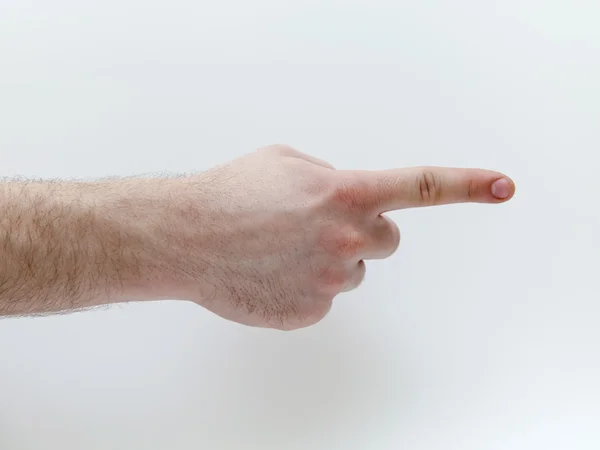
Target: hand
x=271, y=238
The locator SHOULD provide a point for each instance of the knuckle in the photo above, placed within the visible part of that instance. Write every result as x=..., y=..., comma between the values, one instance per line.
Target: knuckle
x=350, y=244
x=342, y=241
x=350, y=194
x=395, y=238
x=472, y=191
x=385, y=239
x=361, y=273
x=429, y=187
x=319, y=311
x=358, y=277
x=331, y=281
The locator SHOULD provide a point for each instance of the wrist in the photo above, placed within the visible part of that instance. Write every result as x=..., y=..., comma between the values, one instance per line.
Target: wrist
x=151, y=234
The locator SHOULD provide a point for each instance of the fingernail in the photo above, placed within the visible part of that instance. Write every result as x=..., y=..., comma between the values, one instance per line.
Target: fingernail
x=501, y=188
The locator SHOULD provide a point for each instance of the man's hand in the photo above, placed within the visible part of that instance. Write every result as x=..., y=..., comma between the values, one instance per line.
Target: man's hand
x=283, y=233
x=267, y=240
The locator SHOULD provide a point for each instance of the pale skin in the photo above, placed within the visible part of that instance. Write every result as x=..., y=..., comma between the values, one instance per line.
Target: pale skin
x=268, y=240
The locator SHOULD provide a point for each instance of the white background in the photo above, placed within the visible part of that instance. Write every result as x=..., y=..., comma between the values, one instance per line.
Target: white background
x=480, y=333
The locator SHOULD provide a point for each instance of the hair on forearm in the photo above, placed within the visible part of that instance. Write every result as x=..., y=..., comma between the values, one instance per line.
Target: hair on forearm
x=49, y=259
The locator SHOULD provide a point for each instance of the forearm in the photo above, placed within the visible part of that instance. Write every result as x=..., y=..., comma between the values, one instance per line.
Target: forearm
x=70, y=245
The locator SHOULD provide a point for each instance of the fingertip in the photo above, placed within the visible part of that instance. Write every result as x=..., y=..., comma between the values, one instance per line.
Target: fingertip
x=503, y=189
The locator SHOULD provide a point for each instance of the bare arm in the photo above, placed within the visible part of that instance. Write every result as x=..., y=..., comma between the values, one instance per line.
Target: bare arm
x=267, y=240
x=73, y=245
x=54, y=250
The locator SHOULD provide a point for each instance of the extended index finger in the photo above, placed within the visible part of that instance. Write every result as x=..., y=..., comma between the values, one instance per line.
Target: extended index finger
x=430, y=186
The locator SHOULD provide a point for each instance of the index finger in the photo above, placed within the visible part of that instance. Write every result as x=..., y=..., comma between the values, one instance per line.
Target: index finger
x=430, y=186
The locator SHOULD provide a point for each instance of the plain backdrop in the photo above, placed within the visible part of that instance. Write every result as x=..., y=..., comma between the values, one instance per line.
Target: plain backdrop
x=480, y=333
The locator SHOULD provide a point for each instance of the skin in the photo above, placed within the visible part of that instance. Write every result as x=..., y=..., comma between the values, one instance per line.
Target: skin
x=266, y=240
